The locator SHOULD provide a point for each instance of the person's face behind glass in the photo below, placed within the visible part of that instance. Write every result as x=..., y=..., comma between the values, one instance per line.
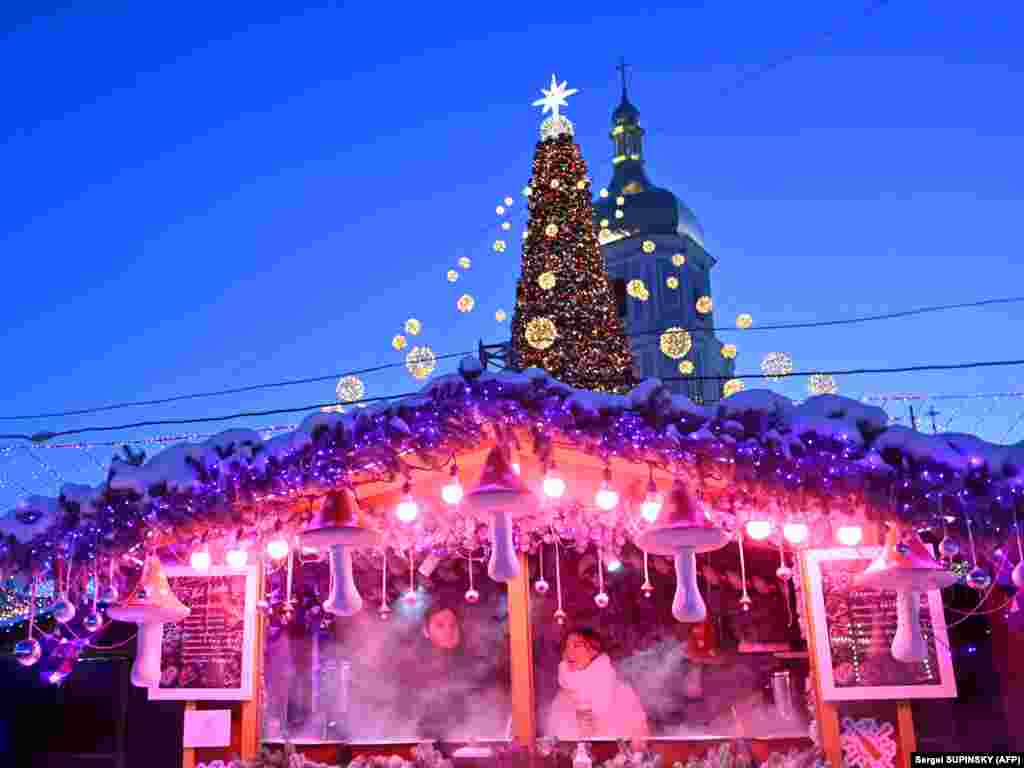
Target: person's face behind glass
x=578, y=652
x=443, y=630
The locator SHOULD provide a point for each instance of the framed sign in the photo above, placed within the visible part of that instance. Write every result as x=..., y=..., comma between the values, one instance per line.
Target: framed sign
x=209, y=655
x=853, y=630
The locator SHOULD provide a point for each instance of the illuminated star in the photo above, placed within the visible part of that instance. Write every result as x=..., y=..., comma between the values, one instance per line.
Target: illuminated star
x=554, y=97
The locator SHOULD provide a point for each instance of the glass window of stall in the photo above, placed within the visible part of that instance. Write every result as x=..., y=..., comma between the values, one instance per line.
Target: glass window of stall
x=629, y=669
x=428, y=663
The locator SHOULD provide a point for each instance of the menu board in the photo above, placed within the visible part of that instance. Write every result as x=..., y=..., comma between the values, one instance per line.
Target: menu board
x=209, y=654
x=853, y=630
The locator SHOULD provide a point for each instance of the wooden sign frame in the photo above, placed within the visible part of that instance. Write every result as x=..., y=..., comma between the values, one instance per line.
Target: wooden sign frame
x=247, y=691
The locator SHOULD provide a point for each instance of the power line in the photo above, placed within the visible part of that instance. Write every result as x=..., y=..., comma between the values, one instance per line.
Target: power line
x=45, y=436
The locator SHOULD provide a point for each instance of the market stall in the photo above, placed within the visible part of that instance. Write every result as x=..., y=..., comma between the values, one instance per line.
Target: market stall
x=547, y=504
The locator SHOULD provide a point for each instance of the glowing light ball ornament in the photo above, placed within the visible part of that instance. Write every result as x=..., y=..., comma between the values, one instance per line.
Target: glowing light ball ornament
x=546, y=280
x=500, y=210
x=453, y=276
x=200, y=559
x=704, y=305
x=551, y=230
x=452, y=492
x=606, y=498
x=908, y=573
x=465, y=303
x=413, y=326
x=637, y=289
x=501, y=494
x=678, y=259
x=729, y=351
x=540, y=333
x=407, y=509
x=63, y=610
x=399, y=342
x=822, y=384
x=603, y=193
x=506, y=225
x=775, y=365
x=420, y=362
x=795, y=533
x=648, y=246
x=472, y=596
x=651, y=506
x=541, y=586
x=732, y=386
x=601, y=599
x=849, y=535
x=759, y=529
x=28, y=652
x=509, y=201
x=237, y=557
x=499, y=246
x=684, y=532
x=500, y=316
x=554, y=485
x=92, y=622
x=350, y=389
x=685, y=367
x=675, y=342
x=464, y=262
x=150, y=606
x=278, y=549
x=619, y=214
x=338, y=524
x=744, y=321
x=604, y=224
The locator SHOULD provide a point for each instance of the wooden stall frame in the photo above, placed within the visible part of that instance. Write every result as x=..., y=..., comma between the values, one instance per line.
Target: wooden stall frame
x=524, y=713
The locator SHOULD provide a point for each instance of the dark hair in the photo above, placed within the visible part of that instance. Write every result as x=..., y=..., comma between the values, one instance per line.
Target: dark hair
x=590, y=635
x=440, y=606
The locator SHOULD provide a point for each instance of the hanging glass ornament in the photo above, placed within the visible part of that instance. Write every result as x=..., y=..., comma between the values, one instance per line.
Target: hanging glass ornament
x=784, y=573
x=647, y=588
x=745, y=600
x=384, y=612
x=560, y=616
x=540, y=586
x=28, y=652
x=472, y=596
x=92, y=622
x=110, y=595
x=1018, y=575
x=601, y=599
x=409, y=598
x=979, y=579
x=63, y=610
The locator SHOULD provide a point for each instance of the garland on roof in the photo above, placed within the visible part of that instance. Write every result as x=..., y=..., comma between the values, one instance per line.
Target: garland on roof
x=827, y=456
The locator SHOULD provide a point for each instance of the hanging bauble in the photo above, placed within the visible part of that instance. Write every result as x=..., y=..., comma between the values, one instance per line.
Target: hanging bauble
x=949, y=548
x=601, y=599
x=409, y=598
x=472, y=596
x=500, y=494
x=384, y=612
x=979, y=579
x=560, y=616
x=28, y=652
x=92, y=622
x=63, y=610
x=784, y=573
x=541, y=587
x=746, y=602
x=1018, y=575
x=647, y=588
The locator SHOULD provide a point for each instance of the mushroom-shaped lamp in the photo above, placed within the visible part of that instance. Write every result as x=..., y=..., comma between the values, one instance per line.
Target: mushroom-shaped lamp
x=907, y=568
x=151, y=605
x=684, y=532
x=339, y=525
x=501, y=494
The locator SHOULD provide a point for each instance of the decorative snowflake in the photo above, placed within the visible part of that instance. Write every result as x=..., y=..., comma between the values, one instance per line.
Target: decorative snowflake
x=675, y=342
x=500, y=210
x=637, y=289
x=776, y=365
x=508, y=201
x=867, y=743
x=464, y=262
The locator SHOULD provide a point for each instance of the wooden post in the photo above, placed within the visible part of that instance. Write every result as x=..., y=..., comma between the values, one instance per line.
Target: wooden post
x=252, y=710
x=827, y=714
x=907, y=739
x=524, y=715
x=188, y=759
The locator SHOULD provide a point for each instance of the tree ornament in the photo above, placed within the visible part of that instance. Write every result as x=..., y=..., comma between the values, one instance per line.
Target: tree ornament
x=499, y=246
x=675, y=342
x=399, y=342
x=729, y=351
x=420, y=362
x=678, y=259
x=648, y=246
x=601, y=599
x=472, y=596
x=672, y=282
x=685, y=367
x=464, y=262
x=28, y=652
x=744, y=321
x=745, y=601
x=603, y=193
x=413, y=326
x=500, y=316
x=704, y=305
x=979, y=579
x=647, y=588
x=465, y=303
x=554, y=98
x=541, y=586
x=546, y=280
x=732, y=386
x=540, y=333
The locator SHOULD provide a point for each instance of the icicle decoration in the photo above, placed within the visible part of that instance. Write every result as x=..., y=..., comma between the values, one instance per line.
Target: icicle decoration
x=745, y=600
x=560, y=616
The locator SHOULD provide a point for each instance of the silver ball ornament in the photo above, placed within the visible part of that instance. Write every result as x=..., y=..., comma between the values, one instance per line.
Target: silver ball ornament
x=949, y=548
x=409, y=598
x=746, y=602
x=472, y=596
x=978, y=579
x=560, y=616
x=541, y=587
x=28, y=652
x=648, y=589
x=384, y=613
x=92, y=622
x=1017, y=575
x=784, y=573
x=601, y=599
x=63, y=610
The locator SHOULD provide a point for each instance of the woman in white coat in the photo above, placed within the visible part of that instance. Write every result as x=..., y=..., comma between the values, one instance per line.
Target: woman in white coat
x=592, y=701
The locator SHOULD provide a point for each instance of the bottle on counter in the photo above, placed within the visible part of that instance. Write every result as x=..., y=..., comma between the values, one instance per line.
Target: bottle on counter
x=582, y=757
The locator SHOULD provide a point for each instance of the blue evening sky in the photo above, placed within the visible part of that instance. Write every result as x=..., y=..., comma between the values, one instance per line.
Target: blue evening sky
x=201, y=196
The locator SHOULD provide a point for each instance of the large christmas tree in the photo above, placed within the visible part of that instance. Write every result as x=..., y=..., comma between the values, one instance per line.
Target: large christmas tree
x=565, y=318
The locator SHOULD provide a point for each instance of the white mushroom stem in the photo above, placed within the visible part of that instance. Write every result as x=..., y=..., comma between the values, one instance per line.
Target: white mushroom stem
x=688, y=605
x=503, y=565
x=908, y=643
x=146, y=669
x=344, y=599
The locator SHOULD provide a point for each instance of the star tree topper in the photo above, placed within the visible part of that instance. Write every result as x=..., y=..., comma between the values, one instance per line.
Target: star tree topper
x=555, y=97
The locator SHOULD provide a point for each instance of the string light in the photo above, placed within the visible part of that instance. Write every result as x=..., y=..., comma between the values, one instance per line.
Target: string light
x=554, y=485
x=795, y=533
x=200, y=559
x=607, y=498
x=759, y=529
x=407, y=509
x=849, y=535
x=651, y=506
x=452, y=491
